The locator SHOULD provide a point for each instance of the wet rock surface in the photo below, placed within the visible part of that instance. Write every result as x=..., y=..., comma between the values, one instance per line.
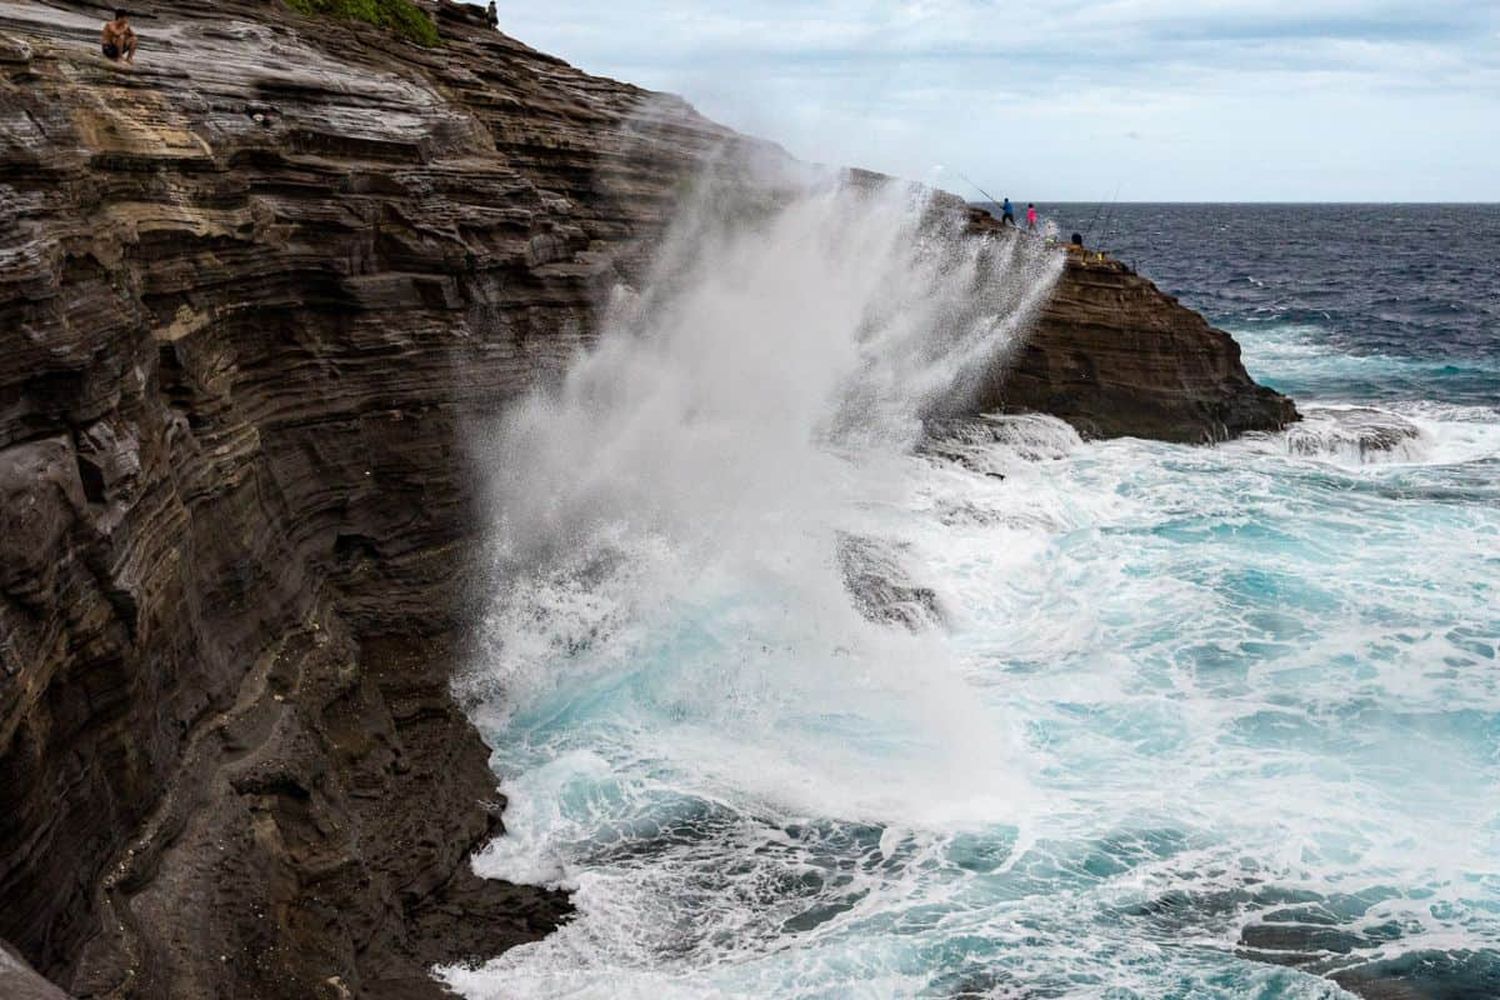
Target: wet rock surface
x=1345, y=937
x=1425, y=975
x=1356, y=433
x=881, y=587
x=970, y=442
x=256, y=292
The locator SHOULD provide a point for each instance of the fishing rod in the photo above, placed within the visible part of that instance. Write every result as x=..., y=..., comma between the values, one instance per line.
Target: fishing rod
x=1109, y=217
x=1088, y=237
x=1089, y=229
x=992, y=199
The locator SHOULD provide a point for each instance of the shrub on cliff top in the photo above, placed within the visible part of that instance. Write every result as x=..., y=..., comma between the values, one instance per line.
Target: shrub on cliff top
x=401, y=16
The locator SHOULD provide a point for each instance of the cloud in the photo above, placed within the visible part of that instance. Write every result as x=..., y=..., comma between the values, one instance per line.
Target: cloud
x=1334, y=98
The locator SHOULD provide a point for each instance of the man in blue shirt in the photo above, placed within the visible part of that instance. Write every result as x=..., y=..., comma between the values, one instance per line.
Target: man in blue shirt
x=1007, y=213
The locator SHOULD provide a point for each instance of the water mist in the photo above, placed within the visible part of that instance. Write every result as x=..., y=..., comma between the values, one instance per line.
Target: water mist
x=672, y=650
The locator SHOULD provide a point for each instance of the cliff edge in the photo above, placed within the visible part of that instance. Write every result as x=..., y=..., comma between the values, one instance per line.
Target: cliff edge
x=251, y=292
x=1115, y=356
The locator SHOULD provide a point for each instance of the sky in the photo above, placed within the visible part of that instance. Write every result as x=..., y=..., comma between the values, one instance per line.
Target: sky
x=1080, y=100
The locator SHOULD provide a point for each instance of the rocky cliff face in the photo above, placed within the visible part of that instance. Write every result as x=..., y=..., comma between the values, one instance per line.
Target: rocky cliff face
x=1115, y=356
x=251, y=291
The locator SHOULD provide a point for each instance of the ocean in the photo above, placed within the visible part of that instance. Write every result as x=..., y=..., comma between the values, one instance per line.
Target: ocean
x=1148, y=720
x=1366, y=303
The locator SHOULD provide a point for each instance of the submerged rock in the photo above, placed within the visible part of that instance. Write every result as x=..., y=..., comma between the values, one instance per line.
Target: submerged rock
x=1329, y=936
x=1355, y=434
x=881, y=587
x=992, y=444
x=1426, y=975
x=1032, y=437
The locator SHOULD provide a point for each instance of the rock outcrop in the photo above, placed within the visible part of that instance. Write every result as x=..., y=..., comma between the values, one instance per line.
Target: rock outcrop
x=1115, y=356
x=251, y=293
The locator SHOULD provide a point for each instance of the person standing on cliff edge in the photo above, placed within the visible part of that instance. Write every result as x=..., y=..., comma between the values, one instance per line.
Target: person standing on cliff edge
x=492, y=15
x=118, y=38
x=1007, y=213
x=1031, y=218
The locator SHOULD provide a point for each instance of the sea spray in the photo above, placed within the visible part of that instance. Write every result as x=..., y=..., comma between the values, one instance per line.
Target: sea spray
x=672, y=651
x=1190, y=714
x=790, y=337
x=779, y=332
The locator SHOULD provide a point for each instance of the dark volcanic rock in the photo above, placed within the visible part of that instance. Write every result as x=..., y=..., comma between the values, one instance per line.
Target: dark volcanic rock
x=1326, y=937
x=1115, y=356
x=1356, y=433
x=1426, y=975
x=970, y=441
x=317, y=832
x=252, y=291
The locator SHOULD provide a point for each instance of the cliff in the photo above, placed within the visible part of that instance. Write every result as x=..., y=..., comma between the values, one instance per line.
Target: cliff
x=251, y=292
x=1115, y=356
x=251, y=289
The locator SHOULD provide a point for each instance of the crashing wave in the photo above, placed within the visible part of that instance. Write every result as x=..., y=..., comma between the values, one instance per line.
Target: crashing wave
x=1357, y=435
x=971, y=442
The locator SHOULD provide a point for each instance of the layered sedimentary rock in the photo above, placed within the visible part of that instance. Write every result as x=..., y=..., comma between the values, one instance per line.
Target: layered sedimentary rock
x=1115, y=356
x=250, y=291
x=253, y=292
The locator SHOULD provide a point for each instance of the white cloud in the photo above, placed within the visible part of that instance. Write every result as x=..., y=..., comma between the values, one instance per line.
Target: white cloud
x=1226, y=99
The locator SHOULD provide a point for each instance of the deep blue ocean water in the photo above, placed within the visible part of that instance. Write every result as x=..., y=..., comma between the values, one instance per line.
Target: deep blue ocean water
x=1196, y=722
x=1402, y=302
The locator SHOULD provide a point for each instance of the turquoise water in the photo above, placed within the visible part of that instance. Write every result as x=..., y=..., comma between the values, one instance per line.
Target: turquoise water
x=1195, y=722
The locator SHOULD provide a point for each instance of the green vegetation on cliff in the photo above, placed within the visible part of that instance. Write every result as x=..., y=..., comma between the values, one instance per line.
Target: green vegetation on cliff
x=401, y=16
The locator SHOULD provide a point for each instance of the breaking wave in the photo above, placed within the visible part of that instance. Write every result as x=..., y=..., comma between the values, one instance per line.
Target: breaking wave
x=805, y=696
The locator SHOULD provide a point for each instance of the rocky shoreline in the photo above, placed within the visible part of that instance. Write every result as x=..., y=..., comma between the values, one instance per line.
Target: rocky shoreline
x=255, y=293
x=1115, y=356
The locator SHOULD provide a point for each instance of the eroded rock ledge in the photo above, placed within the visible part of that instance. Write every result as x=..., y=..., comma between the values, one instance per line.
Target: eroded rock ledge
x=1115, y=356
x=251, y=292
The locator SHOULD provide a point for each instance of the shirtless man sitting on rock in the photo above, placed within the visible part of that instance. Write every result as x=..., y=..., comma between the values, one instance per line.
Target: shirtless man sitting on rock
x=118, y=38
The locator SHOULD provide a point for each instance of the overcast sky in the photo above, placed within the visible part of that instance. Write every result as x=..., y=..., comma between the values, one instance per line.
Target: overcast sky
x=1051, y=100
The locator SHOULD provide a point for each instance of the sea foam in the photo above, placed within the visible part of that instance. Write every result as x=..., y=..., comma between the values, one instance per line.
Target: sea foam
x=1186, y=713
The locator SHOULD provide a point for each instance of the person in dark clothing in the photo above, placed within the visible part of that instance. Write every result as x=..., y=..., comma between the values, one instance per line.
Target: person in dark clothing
x=1007, y=213
x=492, y=15
x=117, y=40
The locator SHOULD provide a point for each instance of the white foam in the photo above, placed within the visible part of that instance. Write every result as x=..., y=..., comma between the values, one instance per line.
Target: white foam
x=671, y=640
x=1210, y=674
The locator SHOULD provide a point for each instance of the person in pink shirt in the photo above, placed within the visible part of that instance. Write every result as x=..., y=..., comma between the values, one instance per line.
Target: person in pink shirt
x=1031, y=217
